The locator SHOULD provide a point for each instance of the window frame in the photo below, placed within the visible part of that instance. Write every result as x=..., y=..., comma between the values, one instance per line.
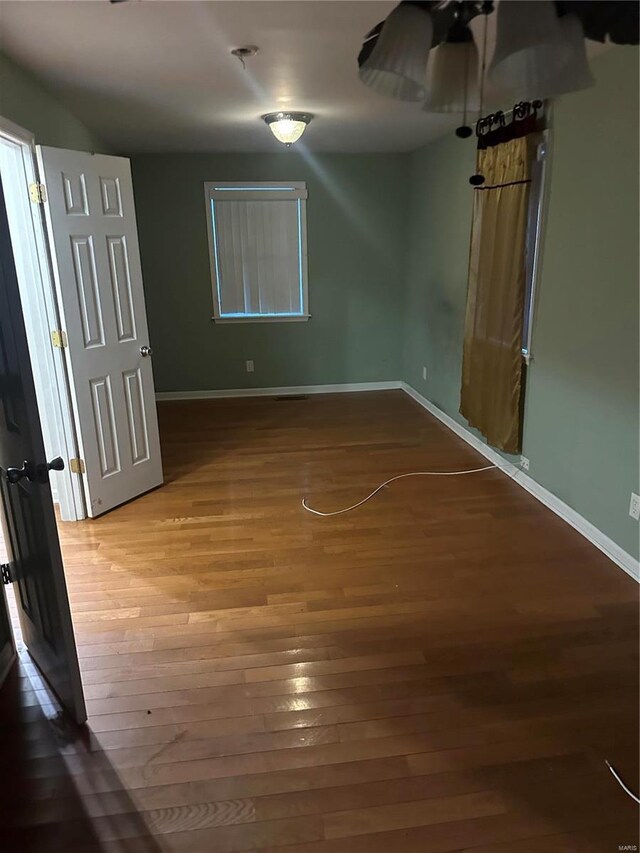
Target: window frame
x=259, y=191
x=536, y=221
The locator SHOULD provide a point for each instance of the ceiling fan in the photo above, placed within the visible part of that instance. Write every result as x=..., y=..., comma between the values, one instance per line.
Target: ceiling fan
x=539, y=51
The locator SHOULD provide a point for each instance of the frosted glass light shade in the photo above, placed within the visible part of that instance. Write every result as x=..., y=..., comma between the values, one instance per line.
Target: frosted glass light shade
x=287, y=130
x=531, y=48
x=577, y=74
x=397, y=65
x=288, y=127
x=454, y=70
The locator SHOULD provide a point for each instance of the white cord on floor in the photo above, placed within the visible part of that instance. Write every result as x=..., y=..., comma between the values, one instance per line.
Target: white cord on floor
x=622, y=785
x=441, y=474
x=386, y=483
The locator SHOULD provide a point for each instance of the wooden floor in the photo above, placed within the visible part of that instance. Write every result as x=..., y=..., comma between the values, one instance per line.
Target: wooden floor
x=444, y=669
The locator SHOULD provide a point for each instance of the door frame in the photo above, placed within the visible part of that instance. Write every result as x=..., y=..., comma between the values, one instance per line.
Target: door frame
x=8, y=661
x=45, y=318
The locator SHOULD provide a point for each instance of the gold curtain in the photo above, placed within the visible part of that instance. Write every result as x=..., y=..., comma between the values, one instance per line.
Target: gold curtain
x=492, y=365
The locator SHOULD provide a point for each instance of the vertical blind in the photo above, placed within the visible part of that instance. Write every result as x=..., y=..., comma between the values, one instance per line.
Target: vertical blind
x=259, y=250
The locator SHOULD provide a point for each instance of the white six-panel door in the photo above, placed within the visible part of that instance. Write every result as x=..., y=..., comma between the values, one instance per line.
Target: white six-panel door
x=90, y=213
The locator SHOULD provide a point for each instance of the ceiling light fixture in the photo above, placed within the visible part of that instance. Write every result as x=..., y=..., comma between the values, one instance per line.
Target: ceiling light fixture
x=397, y=65
x=287, y=127
x=577, y=75
x=454, y=80
x=531, y=47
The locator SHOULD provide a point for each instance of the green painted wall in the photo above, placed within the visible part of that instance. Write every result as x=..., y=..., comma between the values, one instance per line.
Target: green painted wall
x=581, y=420
x=25, y=101
x=356, y=247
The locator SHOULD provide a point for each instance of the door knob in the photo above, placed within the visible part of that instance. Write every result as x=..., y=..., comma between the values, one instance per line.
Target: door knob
x=14, y=475
x=146, y=351
x=56, y=464
x=42, y=471
x=35, y=473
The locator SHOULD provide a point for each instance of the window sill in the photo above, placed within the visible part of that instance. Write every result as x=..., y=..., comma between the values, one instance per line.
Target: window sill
x=284, y=318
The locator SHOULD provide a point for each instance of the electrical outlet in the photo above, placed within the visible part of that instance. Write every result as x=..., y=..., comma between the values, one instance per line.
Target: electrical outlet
x=634, y=506
x=249, y=364
x=424, y=372
x=524, y=463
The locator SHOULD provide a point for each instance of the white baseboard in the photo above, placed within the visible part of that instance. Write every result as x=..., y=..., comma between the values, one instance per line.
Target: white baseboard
x=612, y=550
x=285, y=390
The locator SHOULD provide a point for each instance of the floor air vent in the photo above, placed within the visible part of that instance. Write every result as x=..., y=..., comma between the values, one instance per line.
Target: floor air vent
x=288, y=397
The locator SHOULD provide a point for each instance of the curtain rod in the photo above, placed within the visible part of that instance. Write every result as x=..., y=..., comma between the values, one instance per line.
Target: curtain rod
x=494, y=130
x=518, y=112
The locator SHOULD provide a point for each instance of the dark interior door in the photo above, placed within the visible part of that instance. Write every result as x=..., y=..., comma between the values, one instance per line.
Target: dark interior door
x=26, y=505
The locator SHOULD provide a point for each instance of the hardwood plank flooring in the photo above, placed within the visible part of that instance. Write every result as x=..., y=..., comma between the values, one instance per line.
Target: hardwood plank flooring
x=444, y=669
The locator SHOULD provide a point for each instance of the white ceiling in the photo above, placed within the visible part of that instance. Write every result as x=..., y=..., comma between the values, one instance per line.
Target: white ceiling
x=153, y=75
x=158, y=76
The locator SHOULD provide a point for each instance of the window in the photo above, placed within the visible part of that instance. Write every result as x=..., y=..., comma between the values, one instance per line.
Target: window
x=258, y=251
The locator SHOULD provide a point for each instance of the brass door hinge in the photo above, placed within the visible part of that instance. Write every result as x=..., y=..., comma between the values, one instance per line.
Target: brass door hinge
x=37, y=193
x=5, y=573
x=59, y=338
x=76, y=466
